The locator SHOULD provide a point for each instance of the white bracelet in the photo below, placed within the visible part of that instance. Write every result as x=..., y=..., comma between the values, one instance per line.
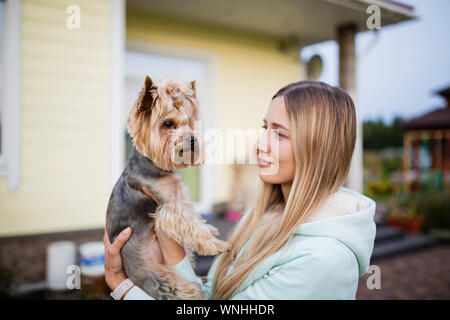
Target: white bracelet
x=123, y=287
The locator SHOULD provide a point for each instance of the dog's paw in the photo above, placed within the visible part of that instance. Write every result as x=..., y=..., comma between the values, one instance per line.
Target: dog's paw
x=214, y=231
x=223, y=246
x=213, y=247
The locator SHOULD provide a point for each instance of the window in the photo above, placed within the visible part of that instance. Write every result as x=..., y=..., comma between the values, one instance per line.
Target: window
x=2, y=160
x=10, y=92
x=140, y=62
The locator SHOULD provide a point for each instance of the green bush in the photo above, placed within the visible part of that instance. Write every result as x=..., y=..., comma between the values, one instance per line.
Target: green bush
x=378, y=135
x=379, y=189
x=435, y=208
x=433, y=205
x=390, y=165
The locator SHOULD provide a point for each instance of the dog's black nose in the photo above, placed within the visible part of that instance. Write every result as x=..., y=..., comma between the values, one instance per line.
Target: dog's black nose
x=193, y=141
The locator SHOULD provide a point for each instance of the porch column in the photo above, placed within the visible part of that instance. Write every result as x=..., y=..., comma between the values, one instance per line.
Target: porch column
x=347, y=81
x=407, y=149
x=117, y=54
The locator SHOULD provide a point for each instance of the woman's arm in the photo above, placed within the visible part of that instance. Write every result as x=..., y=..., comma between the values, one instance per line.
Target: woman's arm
x=326, y=271
x=173, y=254
x=183, y=269
x=114, y=273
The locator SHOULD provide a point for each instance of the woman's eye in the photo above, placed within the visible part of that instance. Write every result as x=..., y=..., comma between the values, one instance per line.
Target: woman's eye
x=168, y=124
x=279, y=134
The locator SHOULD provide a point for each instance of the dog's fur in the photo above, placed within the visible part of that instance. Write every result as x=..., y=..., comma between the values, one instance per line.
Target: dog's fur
x=162, y=127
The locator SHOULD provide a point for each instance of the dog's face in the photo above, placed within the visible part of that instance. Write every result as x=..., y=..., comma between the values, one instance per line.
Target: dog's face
x=162, y=124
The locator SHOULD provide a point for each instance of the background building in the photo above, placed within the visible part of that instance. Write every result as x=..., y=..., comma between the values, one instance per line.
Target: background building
x=66, y=91
x=426, y=160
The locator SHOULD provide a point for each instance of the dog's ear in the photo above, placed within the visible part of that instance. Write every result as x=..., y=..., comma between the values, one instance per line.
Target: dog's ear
x=139, y=114
x=145, y=100
x=194, y=88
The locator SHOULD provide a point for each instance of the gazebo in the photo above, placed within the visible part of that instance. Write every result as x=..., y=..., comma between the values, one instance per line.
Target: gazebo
x=426, y=149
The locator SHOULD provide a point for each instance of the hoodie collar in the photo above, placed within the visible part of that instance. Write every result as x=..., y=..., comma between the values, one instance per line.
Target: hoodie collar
x=346, y=216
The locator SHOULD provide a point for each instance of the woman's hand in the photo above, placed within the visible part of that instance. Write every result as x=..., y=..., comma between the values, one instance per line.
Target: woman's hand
x=171, y=251
x=114, y=273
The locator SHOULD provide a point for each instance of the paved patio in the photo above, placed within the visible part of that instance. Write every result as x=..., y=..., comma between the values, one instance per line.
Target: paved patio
x=423, y=274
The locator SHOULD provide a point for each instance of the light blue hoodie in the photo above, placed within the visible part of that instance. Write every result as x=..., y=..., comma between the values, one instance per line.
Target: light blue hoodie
x=327, y=256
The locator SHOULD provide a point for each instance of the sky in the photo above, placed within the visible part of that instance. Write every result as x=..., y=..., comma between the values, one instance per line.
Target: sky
x=400, y=67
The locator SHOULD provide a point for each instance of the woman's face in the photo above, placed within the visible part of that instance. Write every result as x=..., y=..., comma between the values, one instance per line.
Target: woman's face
x=274, y=148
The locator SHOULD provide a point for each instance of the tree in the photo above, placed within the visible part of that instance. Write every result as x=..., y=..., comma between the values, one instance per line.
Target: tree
x=377, y=135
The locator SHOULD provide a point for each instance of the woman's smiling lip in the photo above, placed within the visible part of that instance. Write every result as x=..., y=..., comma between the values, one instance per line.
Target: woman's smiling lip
x=263, y=163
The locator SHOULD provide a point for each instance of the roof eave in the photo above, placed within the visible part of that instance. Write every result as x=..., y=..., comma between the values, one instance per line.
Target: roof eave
x=395, y=10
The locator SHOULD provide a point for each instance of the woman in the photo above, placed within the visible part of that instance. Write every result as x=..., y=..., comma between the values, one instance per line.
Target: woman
x=307, y=236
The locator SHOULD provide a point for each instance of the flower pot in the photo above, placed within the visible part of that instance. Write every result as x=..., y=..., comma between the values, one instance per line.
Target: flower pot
x=415, y=225
x=394, y=222
x=411, y=225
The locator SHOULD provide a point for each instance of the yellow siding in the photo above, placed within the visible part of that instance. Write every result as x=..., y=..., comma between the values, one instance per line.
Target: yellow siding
x=65, y=115
x=250, y=68
x=65, y=120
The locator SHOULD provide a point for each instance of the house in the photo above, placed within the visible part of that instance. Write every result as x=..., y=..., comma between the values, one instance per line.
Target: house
x=70, y=71
x=426, y=148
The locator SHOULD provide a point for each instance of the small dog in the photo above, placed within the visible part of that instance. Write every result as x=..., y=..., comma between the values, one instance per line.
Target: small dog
x=149, y=192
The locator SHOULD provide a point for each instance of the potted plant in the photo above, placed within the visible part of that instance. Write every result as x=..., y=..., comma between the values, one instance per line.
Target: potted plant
x=406, y=218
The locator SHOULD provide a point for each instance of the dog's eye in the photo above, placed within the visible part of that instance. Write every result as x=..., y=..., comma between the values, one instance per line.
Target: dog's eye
x=168, y=124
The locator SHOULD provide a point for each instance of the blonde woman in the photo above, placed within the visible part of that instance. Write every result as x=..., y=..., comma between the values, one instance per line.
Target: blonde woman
x=307, y=237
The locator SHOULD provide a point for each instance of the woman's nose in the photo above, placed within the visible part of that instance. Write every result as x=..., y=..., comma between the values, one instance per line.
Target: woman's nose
x=263, y=143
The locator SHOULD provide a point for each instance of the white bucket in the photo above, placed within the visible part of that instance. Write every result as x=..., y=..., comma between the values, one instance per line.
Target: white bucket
x=60, y=255
x=92, y=258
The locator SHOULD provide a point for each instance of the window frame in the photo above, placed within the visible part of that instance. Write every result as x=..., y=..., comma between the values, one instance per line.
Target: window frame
x=10, y=94
x=208, y=173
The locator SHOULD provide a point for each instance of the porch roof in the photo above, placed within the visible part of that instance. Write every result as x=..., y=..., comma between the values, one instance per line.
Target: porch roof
x=436, y=119
x=308, y=21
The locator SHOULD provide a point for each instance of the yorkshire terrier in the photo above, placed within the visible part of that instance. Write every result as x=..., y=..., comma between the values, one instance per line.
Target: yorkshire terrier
x=150, y=193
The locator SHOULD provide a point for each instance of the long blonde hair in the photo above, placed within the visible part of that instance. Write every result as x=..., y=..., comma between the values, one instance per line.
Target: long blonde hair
x=323, y=134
